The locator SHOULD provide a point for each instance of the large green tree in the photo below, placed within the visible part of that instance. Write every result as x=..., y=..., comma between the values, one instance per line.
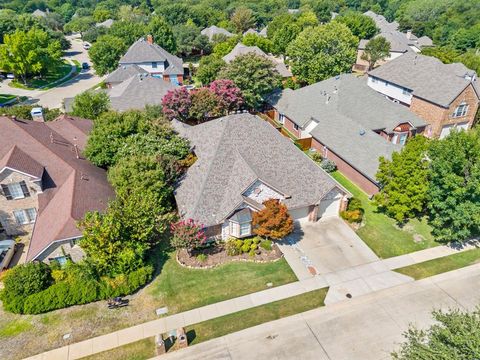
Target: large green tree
x=162, y=33
x=454, y=191
x=284, y=36
x=376, y=49
x=362, y=26
x=106, y=53
x=254, y=75
x=90, y=104
x=209, y=68
x=29, y=53
x=242, y=19
x=321, y=52
x=404, y=180
x=454, y=335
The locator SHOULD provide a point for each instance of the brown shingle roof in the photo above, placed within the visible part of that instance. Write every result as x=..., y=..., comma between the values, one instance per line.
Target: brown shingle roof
x=18, y=160
x=72, y=186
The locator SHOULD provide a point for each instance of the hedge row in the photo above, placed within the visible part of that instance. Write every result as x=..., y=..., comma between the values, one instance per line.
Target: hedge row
x=80, y=291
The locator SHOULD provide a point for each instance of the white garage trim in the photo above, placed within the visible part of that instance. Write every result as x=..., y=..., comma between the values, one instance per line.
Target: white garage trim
x=330, y=207
x=299, y=214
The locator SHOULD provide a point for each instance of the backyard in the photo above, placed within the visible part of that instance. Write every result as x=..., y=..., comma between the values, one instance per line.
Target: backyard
x=382, y=234
x=176, y=287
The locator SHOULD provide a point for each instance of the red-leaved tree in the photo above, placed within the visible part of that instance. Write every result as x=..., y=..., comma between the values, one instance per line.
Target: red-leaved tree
x=273, y=221
x=187, y=234
x=230, y=95
x=205, y=105
x=176, y=104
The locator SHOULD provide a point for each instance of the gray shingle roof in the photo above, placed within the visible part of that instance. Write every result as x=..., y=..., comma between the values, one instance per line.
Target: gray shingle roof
x=107, y=23
x=143, y=52
x=213, y=30
x=381, y=22
x=240, y=150
x=352, y=108
x=241, y=49
x=124, y=72
x=138, y=91
x=427, y=77
x=398, y=41
x=348, y=96
x=251, y=31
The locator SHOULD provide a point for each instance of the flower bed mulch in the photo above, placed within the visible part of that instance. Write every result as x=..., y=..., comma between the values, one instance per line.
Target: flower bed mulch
x=217, y=255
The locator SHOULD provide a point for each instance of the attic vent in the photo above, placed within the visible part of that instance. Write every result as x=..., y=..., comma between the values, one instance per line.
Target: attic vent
x=362, y=132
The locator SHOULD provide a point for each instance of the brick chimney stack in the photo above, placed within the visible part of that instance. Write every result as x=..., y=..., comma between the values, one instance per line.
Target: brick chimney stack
x=150, y=39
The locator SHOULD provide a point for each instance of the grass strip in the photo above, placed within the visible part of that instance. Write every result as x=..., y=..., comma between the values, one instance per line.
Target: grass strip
x=227, y=324
x=444, y=264
x=138, y=350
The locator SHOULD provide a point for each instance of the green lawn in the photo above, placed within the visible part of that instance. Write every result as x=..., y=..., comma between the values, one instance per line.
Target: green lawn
x=441, y=265
x=48, y=81
x=247, y=318
x=183, y=289
x=139, y=350
x=5, y=98
x=14, y=328
x=382, y=234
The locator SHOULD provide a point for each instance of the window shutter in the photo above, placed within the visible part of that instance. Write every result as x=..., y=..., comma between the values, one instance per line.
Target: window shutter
x=26, y=193
x=6, y=192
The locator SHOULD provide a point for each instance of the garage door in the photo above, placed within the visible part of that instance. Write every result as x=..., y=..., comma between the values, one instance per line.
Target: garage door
x=300, y=214
x=448, y=128
x=330, y=207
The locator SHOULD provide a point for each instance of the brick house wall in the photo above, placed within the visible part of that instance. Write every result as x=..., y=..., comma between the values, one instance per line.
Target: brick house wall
x=289, y=125
x=7, y=207
x=346, y=169
x=179, y=78
x=437, y=116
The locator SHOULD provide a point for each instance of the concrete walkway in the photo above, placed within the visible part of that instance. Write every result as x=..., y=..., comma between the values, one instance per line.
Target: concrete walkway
x=367, y=327
x=355, y=281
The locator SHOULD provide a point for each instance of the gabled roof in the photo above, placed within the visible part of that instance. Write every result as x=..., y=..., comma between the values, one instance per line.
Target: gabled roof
x=398, y=41
x=71, y=186
x=263, y=32
x=39, y=13
x=382, y=23
x=240, y=150
x=251, y=31
x=347, y=111
x=142, y=51
x=73, y=128
x=107, y=23
x=427, y=77
x=18, y=160
x=124, y=72
x=213, y=30
x=241, y=49
x=139, y=91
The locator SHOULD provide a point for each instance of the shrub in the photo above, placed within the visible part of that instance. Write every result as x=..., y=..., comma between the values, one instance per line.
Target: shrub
x=352, y=216
x=316, y=156
x=251, y=253
x=266, y=244
x=23, y=281
x=328, y=165
x=202, y=257
x=257, y=240
x=355, y=204
x=232, y=248
x=187, y=234
x=245, y=247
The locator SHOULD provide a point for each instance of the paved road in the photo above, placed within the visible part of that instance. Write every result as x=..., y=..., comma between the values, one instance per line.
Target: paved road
x=53, y=98
x=367, y=327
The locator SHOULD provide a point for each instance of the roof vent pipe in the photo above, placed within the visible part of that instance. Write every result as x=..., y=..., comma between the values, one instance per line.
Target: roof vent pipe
x=362, y=132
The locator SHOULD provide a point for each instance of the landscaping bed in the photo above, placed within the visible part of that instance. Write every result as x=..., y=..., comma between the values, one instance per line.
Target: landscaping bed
x=217, y=255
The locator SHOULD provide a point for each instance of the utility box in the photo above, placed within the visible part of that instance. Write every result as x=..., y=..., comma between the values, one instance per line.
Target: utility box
x=37, y=114
x=182, y=338
x=160, y=345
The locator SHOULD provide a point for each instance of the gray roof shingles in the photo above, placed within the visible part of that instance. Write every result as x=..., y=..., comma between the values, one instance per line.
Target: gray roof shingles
x=123, y=73
x=213, y=30
x=142, y=51
x=427, y=77
x=241, y=149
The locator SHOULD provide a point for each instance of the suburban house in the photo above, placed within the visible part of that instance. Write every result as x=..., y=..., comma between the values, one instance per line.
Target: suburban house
x=155, y=60
x=241, y=49
x=39, y=13
x=213, y=30
x=446, y=96
x=346, y=122
x=123, y=73
x=400, y=43
x=138, y=91
x=245, y=162
x=47, y=185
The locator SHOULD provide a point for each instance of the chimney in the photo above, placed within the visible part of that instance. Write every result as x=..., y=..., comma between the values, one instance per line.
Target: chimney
x=37, y=114
x=409, y=34
x=150, y=39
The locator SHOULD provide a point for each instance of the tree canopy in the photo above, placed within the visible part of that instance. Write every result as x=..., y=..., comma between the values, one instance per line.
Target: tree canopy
x=322, y=52
x=90, y=104
x=106, y=53
x=362, y=26
x=376, y=49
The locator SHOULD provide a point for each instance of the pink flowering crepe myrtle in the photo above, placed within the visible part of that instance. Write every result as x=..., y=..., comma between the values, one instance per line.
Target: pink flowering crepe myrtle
x=176, y=104
x=229, y=94
x=189, y=233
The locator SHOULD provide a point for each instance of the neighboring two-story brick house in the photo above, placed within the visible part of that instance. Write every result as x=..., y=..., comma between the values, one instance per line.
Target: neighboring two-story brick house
x=446, y=96
x=346, y=122
x=47, y=185
x=155, y=60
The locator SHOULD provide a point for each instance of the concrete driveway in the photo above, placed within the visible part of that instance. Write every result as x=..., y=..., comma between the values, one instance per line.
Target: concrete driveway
x=330, y=250
x=325, y=246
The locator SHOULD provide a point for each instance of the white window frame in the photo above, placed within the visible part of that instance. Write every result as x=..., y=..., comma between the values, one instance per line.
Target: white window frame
x=460, y=111
x=248, y=232
x=281, y=118
x=18, y=191
x=29, y=215
x=295, y=126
